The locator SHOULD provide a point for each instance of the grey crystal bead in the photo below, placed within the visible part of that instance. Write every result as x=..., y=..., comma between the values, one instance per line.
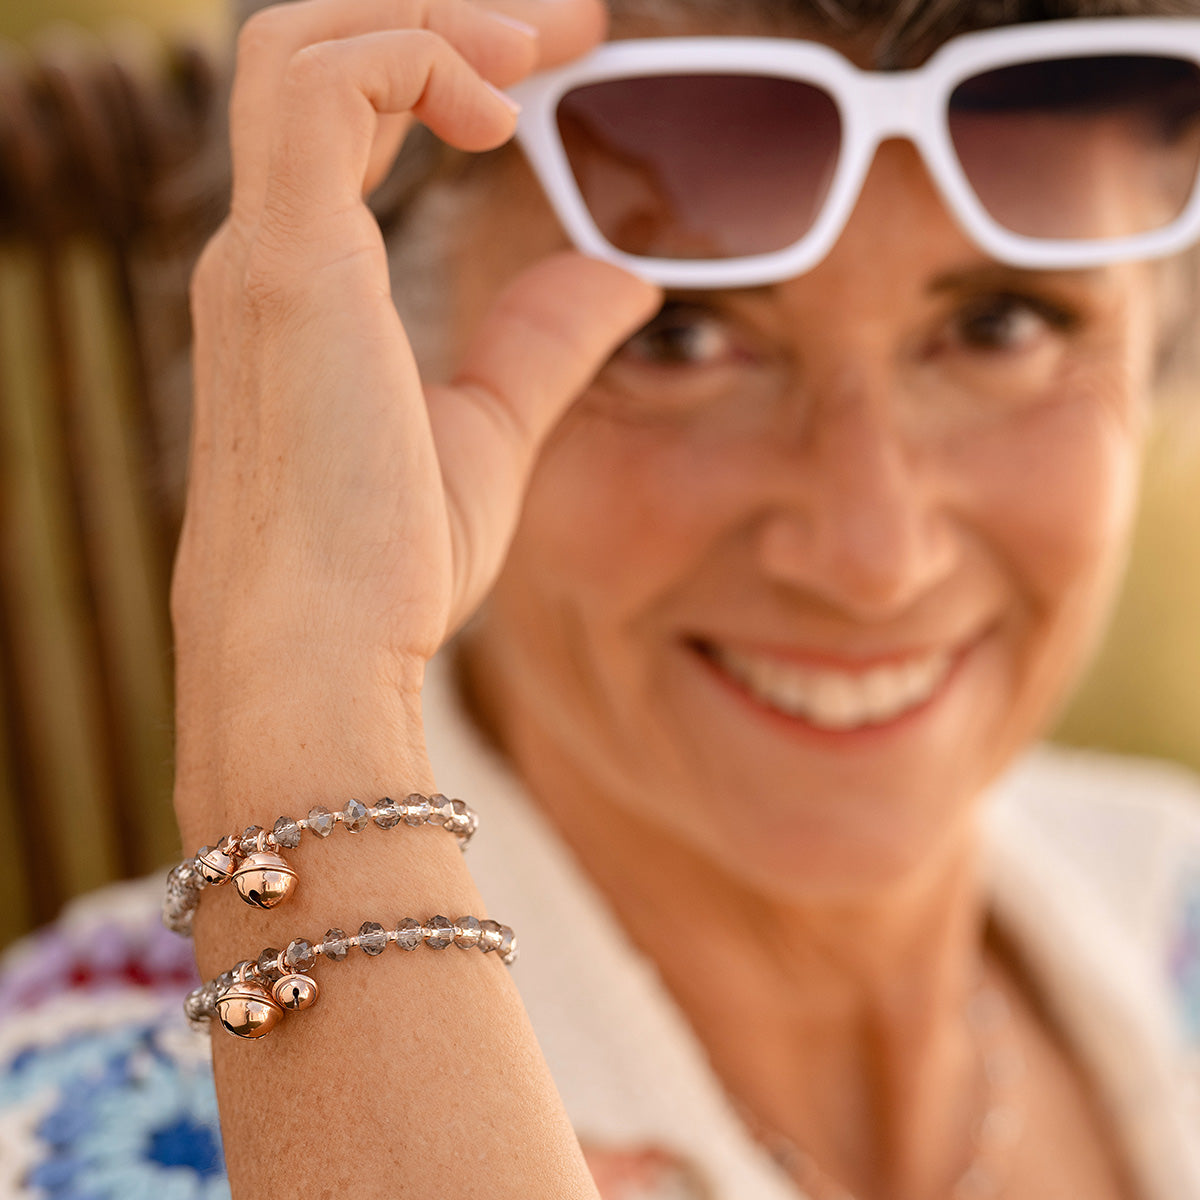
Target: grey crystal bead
x=178, y=892
x=321, y=821
x=194, y=1006
x=334, y=947
x=439, y=933
x=508, y=941
x=356, y=817
x=299, y=955
x=287, y=833
x=208, y=996
x=490, y=936
x=418, y=809
x=467, y=932
x=387, y=813
x=248, y=842
x=179, y=920
x=372, y=938
x=460, y=817
x=408, y=934
x=442, y=810
x=268, y=964
x=185, y=876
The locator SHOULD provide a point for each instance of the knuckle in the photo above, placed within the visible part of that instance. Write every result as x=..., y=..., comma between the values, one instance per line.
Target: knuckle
x=262, y=30
x=314, y=67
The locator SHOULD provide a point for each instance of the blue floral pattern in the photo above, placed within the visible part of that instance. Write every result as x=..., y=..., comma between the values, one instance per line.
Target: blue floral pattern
x=116, y=1114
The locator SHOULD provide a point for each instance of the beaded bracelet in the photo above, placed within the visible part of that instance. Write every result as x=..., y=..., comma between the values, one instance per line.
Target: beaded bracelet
x=250, y=1000
x=260, y=874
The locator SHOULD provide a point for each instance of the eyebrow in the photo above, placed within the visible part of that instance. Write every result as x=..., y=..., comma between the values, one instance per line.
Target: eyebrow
x=1000, y=276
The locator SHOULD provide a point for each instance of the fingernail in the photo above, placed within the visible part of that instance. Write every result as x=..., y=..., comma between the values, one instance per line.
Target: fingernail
x=509, y=102
x=530, y=31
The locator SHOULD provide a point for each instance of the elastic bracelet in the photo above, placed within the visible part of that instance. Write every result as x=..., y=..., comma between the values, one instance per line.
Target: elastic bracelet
x=252, y=998
x=261, y=875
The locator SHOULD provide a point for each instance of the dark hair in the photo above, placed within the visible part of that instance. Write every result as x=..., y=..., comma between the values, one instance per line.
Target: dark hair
x=906, y=32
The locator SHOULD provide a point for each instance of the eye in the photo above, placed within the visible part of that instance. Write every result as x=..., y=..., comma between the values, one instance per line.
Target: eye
x=1009, y=322
x=682, y=335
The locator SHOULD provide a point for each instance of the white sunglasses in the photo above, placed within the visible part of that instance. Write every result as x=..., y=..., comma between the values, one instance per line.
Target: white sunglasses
x=736, y=162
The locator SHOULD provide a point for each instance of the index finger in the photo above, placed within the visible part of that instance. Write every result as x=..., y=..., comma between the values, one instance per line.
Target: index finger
x=501, y=53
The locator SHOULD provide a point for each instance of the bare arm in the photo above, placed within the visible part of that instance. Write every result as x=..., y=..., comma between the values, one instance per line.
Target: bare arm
x=342, y=521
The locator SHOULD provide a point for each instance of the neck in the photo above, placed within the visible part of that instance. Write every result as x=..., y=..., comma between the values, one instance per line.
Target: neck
x=837, y=1024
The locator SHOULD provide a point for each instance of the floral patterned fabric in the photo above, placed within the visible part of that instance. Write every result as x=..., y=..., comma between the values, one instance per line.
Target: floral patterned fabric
x=107, y=1094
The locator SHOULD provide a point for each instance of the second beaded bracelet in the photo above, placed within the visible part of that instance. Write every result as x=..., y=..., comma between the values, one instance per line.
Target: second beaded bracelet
x=252, y=998
x=252, y=861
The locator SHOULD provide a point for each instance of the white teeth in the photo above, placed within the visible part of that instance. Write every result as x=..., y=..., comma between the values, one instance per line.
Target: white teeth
x=838, y=700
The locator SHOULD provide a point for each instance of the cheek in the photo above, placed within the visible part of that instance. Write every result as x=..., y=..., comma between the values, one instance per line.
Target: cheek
x=1054, y=493
x=619, y=515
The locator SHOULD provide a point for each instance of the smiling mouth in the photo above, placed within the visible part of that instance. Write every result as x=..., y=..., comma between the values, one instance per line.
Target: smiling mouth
x=830, y=699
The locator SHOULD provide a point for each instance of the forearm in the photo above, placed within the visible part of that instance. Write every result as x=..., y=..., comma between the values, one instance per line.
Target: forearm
x=415, y=1074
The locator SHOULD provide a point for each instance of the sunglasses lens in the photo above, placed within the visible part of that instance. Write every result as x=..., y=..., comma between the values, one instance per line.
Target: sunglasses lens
x=1081, y=148
x=701, y=166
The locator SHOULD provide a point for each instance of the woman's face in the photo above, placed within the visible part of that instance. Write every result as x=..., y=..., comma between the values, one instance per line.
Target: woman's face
x=807, y=566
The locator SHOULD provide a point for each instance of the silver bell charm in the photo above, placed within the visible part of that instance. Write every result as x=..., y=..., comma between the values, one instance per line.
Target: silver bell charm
x=247, y=1010
x=264, y=879
x=294, y=992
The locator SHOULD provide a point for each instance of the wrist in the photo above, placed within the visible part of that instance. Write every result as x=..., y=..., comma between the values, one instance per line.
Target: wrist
x=300, y=728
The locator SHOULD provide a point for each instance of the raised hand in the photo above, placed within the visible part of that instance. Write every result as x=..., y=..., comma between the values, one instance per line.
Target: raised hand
x=339, y=512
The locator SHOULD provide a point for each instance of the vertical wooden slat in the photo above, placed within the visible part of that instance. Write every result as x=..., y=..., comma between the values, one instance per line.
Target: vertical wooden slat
x=18, y=908
x=122, y=551
x=47, y=617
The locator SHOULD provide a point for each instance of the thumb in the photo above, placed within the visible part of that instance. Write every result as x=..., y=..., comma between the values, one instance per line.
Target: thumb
x=538, y=348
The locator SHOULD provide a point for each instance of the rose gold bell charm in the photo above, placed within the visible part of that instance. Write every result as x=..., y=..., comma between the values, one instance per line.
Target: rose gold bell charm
x=294, y=992
x=247, y=1010
x=215, y=865
x=264, y=879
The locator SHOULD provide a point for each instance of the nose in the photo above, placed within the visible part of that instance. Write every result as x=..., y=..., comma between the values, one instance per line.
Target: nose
x=864, y=526
x=867, y=522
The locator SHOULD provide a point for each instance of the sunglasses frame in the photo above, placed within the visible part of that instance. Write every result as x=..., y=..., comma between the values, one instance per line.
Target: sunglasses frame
x=874, y=106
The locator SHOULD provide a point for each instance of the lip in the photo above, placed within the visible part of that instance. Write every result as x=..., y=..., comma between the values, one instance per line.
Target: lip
x=800, y=727
x=850, y=663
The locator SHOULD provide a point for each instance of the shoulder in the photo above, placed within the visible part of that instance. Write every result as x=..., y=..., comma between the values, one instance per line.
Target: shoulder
x=1130, y=828
x=104, y=1089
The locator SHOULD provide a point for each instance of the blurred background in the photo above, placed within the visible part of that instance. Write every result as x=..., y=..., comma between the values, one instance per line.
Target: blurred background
x=110, y=180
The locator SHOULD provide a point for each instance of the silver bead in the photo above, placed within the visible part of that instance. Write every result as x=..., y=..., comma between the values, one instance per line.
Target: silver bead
x=387, y=813
x=268, y=964
x=372, y=938
x=438, y=933
x=441, y=810
x=321, y=821
x=467, y=932
x=355, y=816
x=334, y=946
x=250, y=841
x=299, y=956
x=417, y=809
x=286, y=833
x=409, y=934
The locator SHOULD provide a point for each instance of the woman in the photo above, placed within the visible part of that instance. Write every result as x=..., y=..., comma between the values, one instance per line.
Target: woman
x=775, y=585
